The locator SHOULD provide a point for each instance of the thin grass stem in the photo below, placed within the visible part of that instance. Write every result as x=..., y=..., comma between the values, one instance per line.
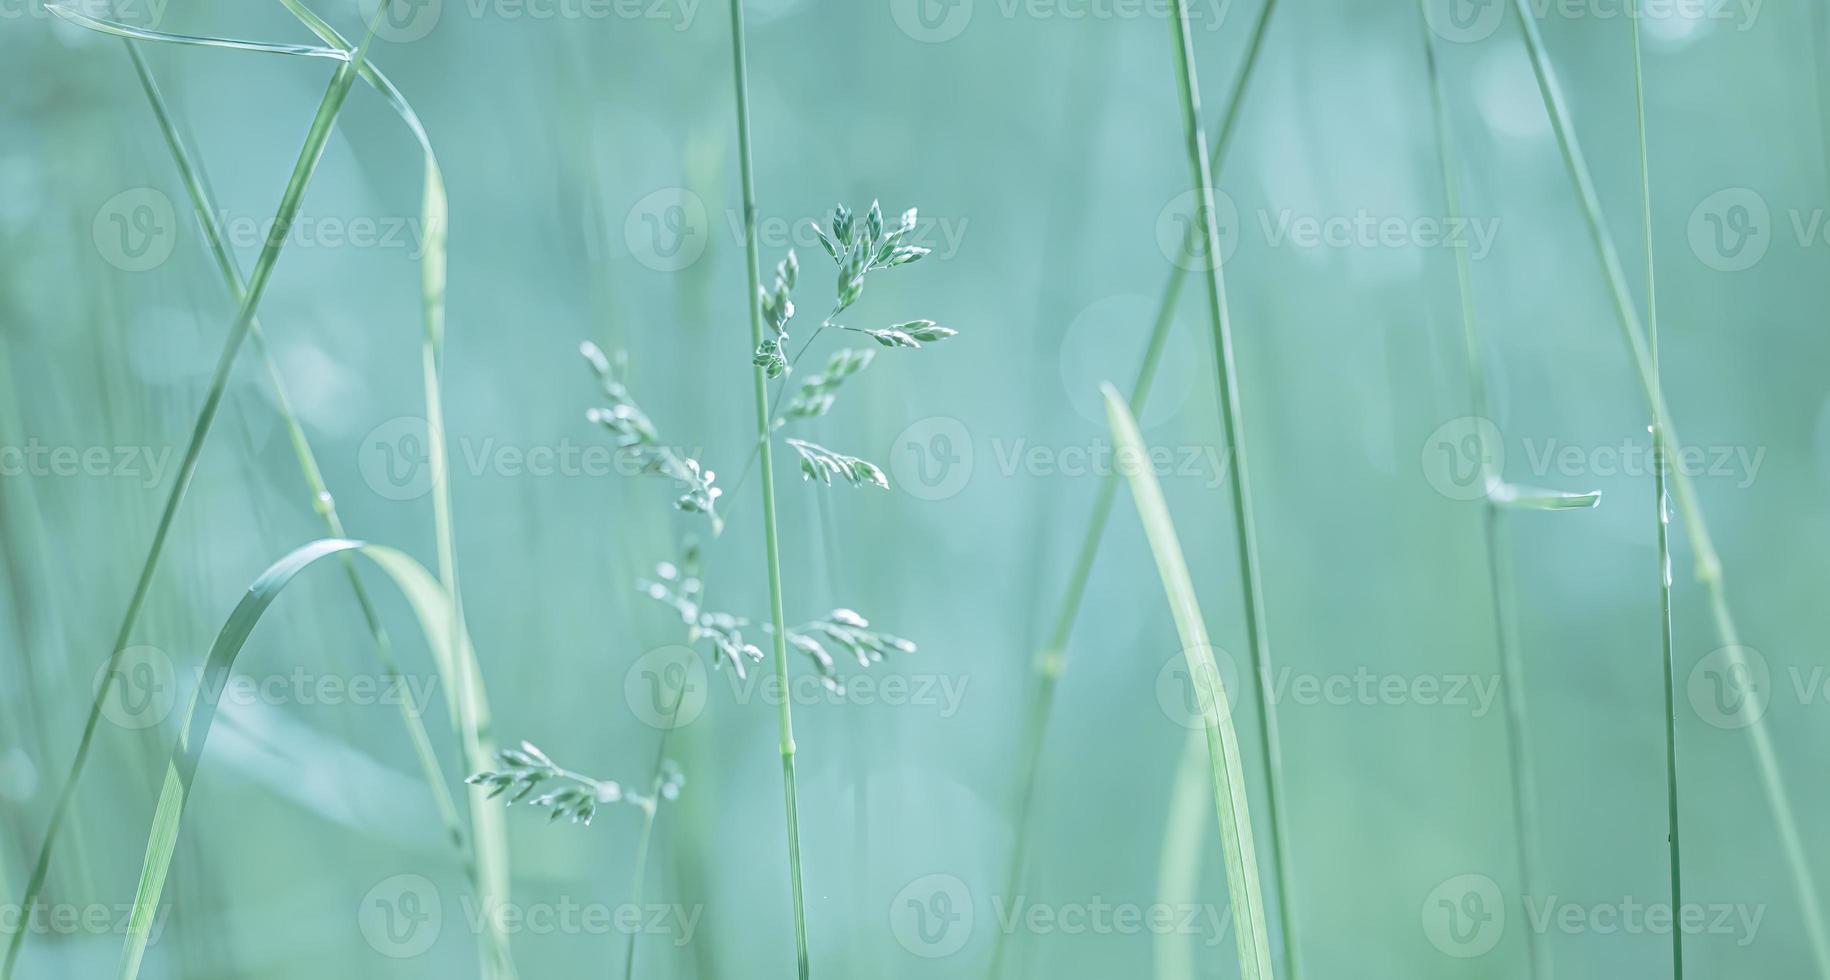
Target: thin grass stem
x=336, y=93
x=1244, y=527
x=1500, y=593
x=753, y=267
x=1662, y=516
x=1052, y=661
x=1683, y=492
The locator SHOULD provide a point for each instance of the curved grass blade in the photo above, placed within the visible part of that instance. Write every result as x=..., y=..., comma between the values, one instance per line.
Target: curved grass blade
x=1052, y=661
x=1708, y=560
x=1231, y=805
x=1245, y=529
x=132, y=33
x=495, y=938
x=336, y=92
x=1662, y=517
x=431, y=606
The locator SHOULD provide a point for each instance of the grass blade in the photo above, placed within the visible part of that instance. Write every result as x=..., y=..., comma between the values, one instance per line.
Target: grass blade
x=1500, y=497
x=1662, y=516
x=1231, y=805
x=306, y=166
x=132, y=33
x=495, y=939
x=430, y=605
x=740, y=73
x=1708, y=561
x=1238, y=478
x=1178, y=870
x=1053, y=659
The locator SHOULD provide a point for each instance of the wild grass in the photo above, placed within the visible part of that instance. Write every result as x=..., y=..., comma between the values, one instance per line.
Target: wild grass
x=1496, y=498
x=484, y=864
x=1232, y=806
x=1662, y=513
x=328, y=109
x=1708, y=562
x=1052, y=661
x=1238, y=476
x=456, y=667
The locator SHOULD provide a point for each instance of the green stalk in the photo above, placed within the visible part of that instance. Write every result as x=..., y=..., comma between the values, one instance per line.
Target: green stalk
x=1232, y=806
x=1053, y=659
x=1708, y=562
x=328, y=109
x=322, y=500
x=1500, y=593
x=753, y=265
x=1662, y=523
x=640, y=876
x=1244, y=528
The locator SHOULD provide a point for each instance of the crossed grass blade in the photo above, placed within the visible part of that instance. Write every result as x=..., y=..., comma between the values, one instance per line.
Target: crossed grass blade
x=317, y=136
x=1683, y=493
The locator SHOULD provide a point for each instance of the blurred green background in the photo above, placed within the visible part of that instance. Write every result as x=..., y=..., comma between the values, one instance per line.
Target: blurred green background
x=590, y=156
